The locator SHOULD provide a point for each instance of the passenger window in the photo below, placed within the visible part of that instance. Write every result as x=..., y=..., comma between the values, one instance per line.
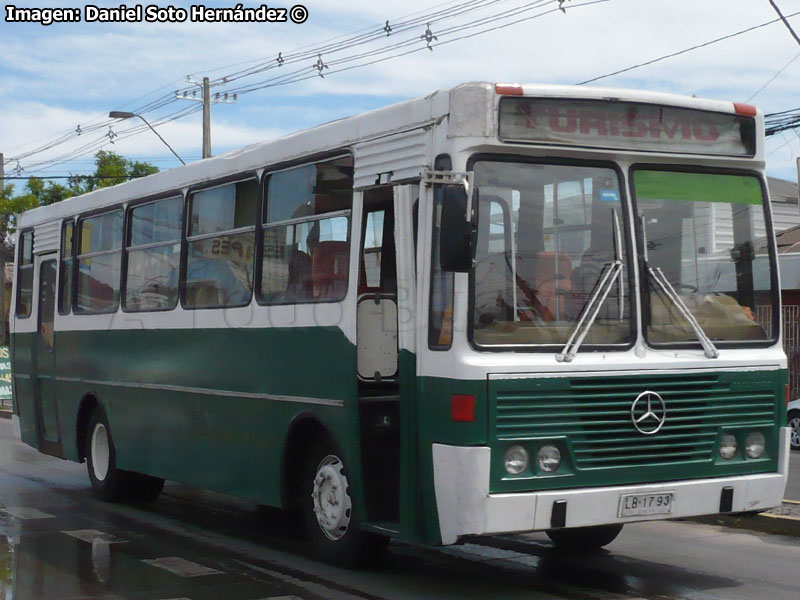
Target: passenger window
x=99, y=263
x=221, y=245
x=373, y=242
x=67, y=269
x=307, y=234
x=154, y=255
x=25, y=275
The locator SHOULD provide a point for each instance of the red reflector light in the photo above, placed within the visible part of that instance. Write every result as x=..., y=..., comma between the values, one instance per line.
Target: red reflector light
x=463, y=407
x=507, y=89
x=748, y=110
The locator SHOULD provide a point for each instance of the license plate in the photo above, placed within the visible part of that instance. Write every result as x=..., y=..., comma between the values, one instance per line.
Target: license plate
x=634, y=505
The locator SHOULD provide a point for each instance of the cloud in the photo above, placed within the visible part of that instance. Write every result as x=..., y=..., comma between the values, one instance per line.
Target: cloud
x=56, y=77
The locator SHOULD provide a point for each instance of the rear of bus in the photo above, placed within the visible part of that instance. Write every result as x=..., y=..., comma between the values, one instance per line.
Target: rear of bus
x=612, y=352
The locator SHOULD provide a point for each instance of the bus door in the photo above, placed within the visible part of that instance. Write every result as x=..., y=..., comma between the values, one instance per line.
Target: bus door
x=44, y=359
x=378, y=354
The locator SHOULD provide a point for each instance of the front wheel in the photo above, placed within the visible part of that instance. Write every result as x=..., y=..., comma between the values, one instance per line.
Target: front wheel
x=329, y=514
x=584, y=539
x=794, y=423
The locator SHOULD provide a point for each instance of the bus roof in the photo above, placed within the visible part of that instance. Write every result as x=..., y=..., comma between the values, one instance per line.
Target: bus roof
x=344, y=133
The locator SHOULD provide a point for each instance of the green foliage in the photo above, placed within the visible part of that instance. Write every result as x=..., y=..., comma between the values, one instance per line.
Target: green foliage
x=110, y=169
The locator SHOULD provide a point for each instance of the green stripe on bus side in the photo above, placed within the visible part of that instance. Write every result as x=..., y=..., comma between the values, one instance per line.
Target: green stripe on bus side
x=232, y=444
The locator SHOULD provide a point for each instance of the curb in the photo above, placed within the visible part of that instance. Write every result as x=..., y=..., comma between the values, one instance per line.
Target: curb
x=5, y=414
x=763, y=523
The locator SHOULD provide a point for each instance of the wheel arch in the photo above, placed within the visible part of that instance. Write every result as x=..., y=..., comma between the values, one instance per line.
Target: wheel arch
x=87, y=404
x=305, y=429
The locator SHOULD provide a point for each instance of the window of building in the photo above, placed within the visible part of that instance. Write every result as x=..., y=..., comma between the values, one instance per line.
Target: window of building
x=99, y=262
x=221, y=245
x=154, y=255
x=306, y=230
x=25, y=275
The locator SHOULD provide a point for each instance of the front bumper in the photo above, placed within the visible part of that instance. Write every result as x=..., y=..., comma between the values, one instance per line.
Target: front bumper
x=465, y=506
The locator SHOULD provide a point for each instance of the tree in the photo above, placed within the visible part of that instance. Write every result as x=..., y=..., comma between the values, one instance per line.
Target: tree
x=110, y=169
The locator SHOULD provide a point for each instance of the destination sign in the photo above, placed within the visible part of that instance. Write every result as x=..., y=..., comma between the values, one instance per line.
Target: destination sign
x=626, y=125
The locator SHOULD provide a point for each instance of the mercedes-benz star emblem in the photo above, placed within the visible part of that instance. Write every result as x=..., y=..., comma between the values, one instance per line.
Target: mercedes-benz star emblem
x=648, y=413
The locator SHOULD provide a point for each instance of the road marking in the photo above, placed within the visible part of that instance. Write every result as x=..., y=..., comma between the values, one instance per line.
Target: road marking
x=93, y=536
x=25, y=512
x=181, y=567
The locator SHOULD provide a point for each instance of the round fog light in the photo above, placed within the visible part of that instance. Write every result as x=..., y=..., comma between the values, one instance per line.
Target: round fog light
x=516, y=460
x=548, y=459
x=754, y=444
x=727, y=446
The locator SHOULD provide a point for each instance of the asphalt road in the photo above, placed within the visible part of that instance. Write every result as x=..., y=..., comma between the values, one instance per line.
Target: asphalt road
x=58, y=541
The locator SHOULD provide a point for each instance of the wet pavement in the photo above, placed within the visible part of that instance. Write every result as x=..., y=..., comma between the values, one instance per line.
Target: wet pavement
x=58, y=541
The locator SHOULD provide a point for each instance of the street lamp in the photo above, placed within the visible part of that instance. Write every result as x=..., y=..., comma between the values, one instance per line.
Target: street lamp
x=118, y=114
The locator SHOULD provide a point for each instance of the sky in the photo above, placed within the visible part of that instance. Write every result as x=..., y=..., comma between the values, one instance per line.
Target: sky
x=56, y=78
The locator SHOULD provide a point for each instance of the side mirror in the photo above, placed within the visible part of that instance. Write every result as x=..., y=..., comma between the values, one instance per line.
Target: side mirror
x=455, y=232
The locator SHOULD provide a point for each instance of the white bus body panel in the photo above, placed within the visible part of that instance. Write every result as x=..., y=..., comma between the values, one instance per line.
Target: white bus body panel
x=465, y=506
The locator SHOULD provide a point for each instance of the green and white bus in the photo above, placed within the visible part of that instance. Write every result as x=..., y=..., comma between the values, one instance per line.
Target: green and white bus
x=497, y=308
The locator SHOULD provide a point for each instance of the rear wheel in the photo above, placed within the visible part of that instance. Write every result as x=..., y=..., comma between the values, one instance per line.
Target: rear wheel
x=794, y=423
x=584, y=539
x=329, y=514
x=108, y=482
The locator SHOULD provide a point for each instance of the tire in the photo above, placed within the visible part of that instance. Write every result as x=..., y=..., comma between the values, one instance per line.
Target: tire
x=584, y=539
x=109, y=483
x=794, y=423
x=329, y=516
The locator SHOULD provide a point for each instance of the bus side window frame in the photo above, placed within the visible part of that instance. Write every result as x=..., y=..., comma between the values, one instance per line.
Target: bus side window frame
x=126, y=246
x=263, y=224
x=20, y=266
x=77, y=243
x=187, y=239
x=61, y=259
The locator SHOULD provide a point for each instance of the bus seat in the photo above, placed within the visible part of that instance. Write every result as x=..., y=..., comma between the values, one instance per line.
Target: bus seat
x=329, y=262
x=553, y=270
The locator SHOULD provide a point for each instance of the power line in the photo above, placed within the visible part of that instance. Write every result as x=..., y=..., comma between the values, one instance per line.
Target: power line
x=773, y=78
x=785, y=22
x=451, y=11
x=684, y=51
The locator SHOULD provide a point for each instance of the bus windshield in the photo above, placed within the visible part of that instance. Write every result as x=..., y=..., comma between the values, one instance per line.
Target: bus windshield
x=546, y=234
x=704, y=233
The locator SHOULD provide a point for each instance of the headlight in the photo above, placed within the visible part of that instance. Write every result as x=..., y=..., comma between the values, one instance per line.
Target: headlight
x=727, y=446
x=548, y=459
x=755, y=444
x=516, y=460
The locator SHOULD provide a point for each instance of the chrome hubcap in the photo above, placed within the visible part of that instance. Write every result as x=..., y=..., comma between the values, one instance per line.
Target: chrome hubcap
x=794, y=423
x=100, y=452
x=332, y=505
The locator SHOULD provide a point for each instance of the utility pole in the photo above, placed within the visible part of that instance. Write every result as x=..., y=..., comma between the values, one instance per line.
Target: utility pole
x=206, y=118
x=207, y=100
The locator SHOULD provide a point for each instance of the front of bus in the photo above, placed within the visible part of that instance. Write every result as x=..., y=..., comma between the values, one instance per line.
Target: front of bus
x=614, y=352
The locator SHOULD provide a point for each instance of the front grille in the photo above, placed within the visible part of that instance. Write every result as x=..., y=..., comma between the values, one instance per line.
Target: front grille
x=595, y=414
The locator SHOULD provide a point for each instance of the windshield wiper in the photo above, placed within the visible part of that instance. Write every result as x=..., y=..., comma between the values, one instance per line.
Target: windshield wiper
x=658, y=276
x=600, y=292
x=589, y=314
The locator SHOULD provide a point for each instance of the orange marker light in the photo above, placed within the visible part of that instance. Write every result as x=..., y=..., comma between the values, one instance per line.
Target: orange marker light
x=748, y=110
x=507, y=89
x=463, y=408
